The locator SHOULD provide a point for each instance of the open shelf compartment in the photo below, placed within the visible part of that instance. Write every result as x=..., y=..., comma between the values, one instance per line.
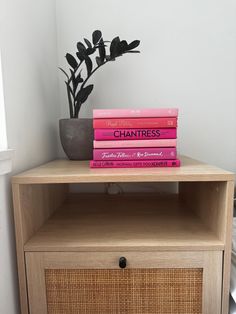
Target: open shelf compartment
x=148, y=222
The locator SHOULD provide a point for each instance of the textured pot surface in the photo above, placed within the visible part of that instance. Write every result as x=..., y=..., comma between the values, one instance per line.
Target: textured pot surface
x=77, y=138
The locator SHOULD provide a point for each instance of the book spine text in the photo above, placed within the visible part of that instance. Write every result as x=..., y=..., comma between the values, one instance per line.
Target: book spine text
x=134, y=153
x=143, y=123
x=135, y=164
x=134, y=134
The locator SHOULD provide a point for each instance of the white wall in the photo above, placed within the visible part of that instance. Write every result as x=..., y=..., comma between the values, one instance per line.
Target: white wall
x=187, y=60
x=29, y=58
x=3, y=133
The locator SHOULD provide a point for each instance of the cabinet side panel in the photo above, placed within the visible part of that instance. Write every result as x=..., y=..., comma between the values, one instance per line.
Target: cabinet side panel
x=20, y=249
x=38, y=202
x=228, y=245
x=33, y=204
x=208, y=200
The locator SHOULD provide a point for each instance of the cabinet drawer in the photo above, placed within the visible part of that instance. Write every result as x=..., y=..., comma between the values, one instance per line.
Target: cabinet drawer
x=151, y=282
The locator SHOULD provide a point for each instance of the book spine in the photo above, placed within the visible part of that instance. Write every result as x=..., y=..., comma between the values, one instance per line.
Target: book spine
x=135, y=113
x=135, y=164
x=135, y=143
x=134, y=153
x=141, y=123
x=133, y=134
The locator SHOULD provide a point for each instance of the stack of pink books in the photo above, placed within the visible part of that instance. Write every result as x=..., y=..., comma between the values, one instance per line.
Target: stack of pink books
x=128, y=138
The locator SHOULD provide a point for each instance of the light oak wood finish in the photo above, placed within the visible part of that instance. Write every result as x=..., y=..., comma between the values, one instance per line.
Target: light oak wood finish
x=213, y=202
x=137, y=223
x=33, y=205
x=65, y=171
x=228, y=246
x=208, y=201
x=210, y=262
x=200, y=219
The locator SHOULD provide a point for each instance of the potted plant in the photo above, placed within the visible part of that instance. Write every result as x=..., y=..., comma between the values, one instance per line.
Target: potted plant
x=76, y=133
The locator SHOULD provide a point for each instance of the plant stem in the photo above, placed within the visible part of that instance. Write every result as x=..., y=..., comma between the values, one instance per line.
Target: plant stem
x=77, y=110
x=75, y=71
x=85, y=81
x=70, y=101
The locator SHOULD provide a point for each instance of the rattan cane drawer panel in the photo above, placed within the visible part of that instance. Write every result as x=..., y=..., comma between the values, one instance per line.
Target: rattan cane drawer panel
x=132, y=291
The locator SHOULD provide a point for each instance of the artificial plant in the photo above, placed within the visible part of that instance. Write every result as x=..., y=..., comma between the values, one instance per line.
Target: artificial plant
x=77, y=90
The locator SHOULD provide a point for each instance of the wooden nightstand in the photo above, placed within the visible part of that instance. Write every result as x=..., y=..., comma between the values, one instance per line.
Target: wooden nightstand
x=136, y=253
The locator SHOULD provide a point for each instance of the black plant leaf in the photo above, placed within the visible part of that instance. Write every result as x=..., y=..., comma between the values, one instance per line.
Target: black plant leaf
x=88, y=43
x=133, y=44
x=114, y=48
x=89, y=65
x=90, y=51
x=123, y=46
x=75, y=80
x=81, y=47
x=109, y=58
x=83, y=94
x=81, y=55
x=71, y=60
x=99, y=61
x=96, y=36
x=79, y=79
x=102, y=50
x=133, y=51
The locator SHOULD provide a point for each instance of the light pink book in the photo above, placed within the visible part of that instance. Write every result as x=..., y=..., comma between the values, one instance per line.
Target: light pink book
x=134, y=153
x=135, y=113
x=133, y=134
x=135, y=164
x=135, y=143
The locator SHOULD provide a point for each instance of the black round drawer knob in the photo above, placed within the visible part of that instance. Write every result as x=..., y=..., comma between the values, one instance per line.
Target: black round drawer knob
x=122, y=262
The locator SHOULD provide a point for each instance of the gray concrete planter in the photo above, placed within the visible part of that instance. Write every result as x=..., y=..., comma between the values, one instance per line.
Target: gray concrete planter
x=77, y=138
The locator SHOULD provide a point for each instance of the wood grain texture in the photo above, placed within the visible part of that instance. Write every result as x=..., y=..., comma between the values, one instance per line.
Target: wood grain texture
x=210, y=262
x=20, y=249
x=143, y=227
x=228, y=245
x=135, y=222
x=66, y=171
x=212, y=281
x=213, y=203
x=32, y=207
x=208, y=201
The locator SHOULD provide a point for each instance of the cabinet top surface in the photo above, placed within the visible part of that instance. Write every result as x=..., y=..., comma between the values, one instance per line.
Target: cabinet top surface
x=67, y=171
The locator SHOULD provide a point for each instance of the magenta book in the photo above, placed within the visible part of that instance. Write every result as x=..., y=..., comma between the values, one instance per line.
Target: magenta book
x=135, y=113
x=135, y=164
x=133, y=134
x=134, y=153
x=135, y=143
x=135, y=123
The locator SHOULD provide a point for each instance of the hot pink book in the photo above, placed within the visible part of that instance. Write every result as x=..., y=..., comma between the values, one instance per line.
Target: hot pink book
x=135, y=123
x=135, y=143
x=134, y=153
x=135, y=113
x=133, y=134
x=135, y=164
